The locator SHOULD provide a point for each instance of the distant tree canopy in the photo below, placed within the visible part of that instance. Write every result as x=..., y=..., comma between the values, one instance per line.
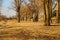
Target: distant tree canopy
x=28, y=8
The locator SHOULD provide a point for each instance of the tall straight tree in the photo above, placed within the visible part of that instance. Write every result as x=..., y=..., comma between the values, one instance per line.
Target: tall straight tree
x=18, y=6
x=48, y=11
x=45, y=15
x=58, y=10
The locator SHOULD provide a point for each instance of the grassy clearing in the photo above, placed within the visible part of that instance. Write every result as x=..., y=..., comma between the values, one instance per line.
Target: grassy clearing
x=12, y=30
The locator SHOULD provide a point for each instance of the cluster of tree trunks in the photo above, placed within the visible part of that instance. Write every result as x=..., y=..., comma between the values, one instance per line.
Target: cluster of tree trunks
x=47, y=11
x=34, y=10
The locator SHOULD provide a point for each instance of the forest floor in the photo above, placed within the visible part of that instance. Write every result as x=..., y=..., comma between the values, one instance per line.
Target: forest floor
x=12, y=30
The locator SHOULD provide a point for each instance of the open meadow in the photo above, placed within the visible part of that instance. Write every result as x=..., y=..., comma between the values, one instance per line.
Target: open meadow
x=12, y=30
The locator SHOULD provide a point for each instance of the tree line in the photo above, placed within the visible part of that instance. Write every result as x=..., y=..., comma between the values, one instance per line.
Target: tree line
x=31, y=10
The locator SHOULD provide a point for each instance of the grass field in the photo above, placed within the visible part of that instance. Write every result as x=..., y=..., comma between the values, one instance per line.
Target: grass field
x=12, y=30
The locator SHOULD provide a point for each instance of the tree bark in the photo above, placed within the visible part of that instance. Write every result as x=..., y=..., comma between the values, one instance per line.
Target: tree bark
x=45, y=16
x=47, y=12
x=58, y=10
x=18, y=10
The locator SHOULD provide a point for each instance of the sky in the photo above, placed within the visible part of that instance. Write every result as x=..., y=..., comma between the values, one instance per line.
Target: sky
x=6, y=8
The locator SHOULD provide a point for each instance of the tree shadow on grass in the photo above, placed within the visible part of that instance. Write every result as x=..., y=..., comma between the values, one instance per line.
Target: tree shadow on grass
x=54, y=25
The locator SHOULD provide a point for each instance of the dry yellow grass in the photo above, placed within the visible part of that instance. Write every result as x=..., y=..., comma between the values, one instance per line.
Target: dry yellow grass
x=12, y=30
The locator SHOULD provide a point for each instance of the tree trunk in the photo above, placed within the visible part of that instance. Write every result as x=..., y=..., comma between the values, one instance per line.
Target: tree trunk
x=26, y=17
x=18, y=10
x=58, y=10
x=45, y=16
x=18, y=17
x=35, y=17
x=47, y=12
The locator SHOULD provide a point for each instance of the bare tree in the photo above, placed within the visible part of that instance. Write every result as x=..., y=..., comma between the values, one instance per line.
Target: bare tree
x=18, y=6
x=34, y=10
